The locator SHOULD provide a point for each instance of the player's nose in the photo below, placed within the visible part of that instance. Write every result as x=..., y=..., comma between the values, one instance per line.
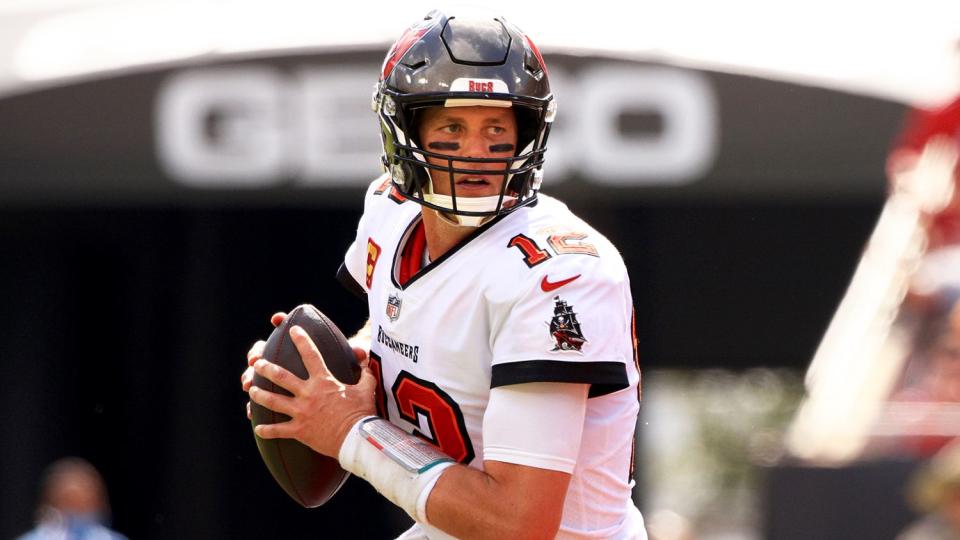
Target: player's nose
x=475, y=145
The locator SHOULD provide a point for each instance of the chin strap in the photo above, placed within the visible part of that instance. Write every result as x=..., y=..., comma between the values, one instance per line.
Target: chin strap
x=467, y=204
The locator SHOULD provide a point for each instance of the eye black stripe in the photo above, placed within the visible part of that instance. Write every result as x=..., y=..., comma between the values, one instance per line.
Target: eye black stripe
x=443, y=145
x=506, y=147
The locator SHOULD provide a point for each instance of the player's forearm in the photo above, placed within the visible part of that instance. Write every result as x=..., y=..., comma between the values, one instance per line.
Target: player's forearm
x=469, y=503
x=502, y=501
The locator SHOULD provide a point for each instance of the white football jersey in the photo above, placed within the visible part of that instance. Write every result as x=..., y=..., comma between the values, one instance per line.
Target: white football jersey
x=536, y=295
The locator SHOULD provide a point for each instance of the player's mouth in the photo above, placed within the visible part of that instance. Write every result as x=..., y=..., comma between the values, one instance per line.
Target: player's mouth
x=474, y=184
x=473, y=181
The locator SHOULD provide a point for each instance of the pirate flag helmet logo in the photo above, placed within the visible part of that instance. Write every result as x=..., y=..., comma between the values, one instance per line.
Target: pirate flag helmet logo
x=564, y=328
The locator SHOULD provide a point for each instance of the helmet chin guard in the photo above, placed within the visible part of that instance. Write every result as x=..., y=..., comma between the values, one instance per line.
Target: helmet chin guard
x=485, y=208
x=458, y=61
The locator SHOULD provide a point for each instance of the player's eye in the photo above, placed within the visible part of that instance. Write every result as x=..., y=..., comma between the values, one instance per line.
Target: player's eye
x=496, y=130
x=451, y=128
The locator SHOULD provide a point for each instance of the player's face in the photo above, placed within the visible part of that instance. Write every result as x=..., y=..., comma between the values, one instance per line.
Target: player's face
x=476, y=132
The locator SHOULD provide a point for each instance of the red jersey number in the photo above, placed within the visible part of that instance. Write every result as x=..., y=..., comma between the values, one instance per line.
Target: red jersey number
x=532, y=253
x=419, y=399
x=381, y=395
x=565, y=243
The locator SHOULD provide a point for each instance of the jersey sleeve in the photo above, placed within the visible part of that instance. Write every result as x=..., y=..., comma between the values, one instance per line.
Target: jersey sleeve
x=352, y=273
x=572, y=323
x=535, y=424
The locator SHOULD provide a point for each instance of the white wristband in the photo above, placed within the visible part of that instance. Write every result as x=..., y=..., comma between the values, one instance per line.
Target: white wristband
x=402, y=467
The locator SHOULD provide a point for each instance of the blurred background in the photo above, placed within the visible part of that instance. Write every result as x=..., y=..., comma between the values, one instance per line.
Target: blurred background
x=171, y=173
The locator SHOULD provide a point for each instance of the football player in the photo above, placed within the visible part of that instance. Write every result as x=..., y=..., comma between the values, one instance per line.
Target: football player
x=500, y=391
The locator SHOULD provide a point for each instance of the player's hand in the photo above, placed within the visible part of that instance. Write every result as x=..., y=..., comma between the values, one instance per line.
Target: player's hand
x=322, y=409
x=363, y=356
x=255, y=353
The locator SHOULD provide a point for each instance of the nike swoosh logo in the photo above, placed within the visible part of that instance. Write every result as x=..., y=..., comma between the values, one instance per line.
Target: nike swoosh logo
x=548, y=285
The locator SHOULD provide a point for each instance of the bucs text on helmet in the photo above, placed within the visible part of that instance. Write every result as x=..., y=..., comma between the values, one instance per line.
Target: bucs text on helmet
x=455, y=61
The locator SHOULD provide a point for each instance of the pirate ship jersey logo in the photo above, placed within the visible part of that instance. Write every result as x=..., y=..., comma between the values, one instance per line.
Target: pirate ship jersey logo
x=393, y=307
x=565, y=328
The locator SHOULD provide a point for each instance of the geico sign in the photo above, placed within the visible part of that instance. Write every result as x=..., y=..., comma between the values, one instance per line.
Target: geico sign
x=256, y=126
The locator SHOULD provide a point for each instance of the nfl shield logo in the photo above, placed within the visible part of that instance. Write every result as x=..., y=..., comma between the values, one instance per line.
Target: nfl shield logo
x=393, y=307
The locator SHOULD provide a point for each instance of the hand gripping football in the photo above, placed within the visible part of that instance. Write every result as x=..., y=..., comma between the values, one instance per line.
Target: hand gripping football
x=307, y=476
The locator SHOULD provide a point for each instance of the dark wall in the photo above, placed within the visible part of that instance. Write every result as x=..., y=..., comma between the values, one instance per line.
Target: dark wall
x=125, y=333
x=202, y=134
x=863, y=501
x=125, y=336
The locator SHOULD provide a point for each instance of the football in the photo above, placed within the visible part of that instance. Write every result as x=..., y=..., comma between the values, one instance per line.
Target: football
x=307, y=476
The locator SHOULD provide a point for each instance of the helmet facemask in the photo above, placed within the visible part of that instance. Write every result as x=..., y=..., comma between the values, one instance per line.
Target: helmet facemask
x=413, y=173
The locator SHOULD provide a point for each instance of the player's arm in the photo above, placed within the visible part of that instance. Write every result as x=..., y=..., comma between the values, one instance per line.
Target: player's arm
x=509, y=499
x=532, y=437
x=531, y=440
x=502, y=501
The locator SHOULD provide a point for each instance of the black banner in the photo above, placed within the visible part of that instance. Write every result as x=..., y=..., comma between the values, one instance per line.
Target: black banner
x=299, y=129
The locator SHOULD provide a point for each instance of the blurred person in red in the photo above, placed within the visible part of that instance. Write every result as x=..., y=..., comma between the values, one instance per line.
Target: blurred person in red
x=73, y=504
x=931, y=385
x=924, y=126
x=925, y=172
